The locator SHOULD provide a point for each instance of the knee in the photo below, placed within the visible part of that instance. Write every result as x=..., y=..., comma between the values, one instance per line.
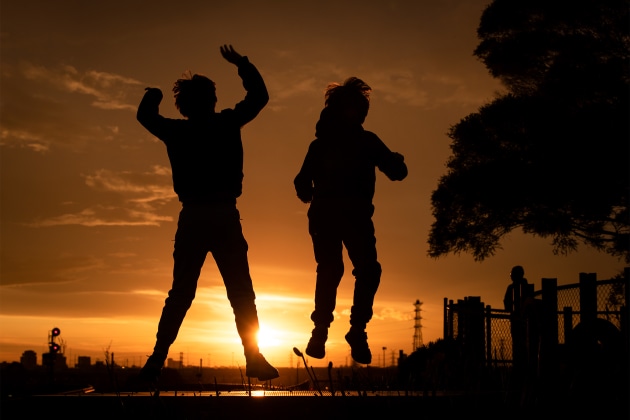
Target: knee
x=181, y=297
x=368, y=271
x=331, y=270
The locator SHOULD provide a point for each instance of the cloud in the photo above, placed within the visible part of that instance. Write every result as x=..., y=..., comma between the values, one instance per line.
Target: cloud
x=103, y=216
x=144, y=189
x=25, y=139
x=47, y=108
x=408, y=84
x=389, y=313
x=38, y=272
x=425, y=90
x=108, y=90
x=142, y=194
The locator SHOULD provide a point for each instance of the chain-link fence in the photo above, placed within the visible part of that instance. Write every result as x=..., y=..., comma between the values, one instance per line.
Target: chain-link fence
x=609, y=302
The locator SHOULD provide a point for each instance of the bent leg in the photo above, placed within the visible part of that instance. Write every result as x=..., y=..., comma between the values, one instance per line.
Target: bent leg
x=361, y=245
x=328, y=249
x=189, y=256
x=230, y=254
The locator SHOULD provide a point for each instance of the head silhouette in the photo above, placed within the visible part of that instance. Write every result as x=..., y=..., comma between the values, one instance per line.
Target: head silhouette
x=195, y=95
x=350, y=100
x=517, y=273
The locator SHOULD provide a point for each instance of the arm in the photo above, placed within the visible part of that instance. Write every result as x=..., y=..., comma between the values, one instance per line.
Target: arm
x=149, y=111
x=392, y=164
x=257, y=95
x=303, y=182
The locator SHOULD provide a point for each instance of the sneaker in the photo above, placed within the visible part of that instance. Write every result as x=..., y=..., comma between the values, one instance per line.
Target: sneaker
x=316, y=346
x=258, y=367
x=152, y=369
x=359, y=346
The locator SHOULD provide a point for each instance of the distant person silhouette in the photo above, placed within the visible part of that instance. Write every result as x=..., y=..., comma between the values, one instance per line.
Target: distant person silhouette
x=525, y=331
x=516, y=299
x=516, y=291
x=206, y=156
x=338, y=179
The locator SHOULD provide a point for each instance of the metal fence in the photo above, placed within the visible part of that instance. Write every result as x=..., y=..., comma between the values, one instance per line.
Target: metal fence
x=559, y=310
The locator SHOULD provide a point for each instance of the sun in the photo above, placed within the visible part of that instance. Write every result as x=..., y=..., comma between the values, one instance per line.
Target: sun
x=268, y=337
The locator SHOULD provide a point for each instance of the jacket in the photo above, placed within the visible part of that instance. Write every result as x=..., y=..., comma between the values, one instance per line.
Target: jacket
x=206, y=154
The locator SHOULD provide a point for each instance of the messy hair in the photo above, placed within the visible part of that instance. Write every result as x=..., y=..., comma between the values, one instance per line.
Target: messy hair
x=353, y=94
x=194, y=94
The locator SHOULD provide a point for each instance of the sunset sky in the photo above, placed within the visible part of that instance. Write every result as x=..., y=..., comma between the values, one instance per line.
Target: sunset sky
x=88, y=214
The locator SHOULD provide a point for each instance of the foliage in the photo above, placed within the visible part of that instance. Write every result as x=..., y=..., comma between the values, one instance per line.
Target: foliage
x=551, y=155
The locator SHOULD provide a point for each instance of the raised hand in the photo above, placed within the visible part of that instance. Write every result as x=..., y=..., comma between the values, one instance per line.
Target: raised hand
x=228, y=52
x=154, y=93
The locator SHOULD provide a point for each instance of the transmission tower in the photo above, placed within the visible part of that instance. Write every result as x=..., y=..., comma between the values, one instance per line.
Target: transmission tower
x=417, y=327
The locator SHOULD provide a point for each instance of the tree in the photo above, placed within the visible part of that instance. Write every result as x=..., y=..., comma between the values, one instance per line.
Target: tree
x=551, y=155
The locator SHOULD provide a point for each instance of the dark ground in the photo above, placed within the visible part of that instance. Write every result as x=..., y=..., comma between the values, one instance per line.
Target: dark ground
x=288, y=407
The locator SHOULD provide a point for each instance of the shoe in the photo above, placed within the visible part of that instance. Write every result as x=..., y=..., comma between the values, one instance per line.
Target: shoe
x=316, y=346
x=359, y=346
x=152, y=369
x=258, y=367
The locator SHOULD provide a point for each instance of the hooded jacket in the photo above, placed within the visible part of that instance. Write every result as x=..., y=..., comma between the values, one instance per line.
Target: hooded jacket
x=340, y=163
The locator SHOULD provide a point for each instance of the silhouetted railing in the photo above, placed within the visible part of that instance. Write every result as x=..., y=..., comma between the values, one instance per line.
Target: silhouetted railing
x=553, y=317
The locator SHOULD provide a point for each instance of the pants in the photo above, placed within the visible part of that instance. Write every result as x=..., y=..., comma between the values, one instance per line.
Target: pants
x=330, y=230
x=214, y=228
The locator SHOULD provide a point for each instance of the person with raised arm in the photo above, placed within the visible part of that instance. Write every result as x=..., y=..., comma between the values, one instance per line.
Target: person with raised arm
x=206, y=155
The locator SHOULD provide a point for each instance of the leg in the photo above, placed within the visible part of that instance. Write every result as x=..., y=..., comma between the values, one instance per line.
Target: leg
x=189, y=255
x=328, y=249
x=361, y=245
x=229, y=250
x=230, y=253
x=234, y=269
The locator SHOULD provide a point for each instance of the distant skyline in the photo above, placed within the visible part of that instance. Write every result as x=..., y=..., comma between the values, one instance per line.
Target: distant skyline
x=87, y=209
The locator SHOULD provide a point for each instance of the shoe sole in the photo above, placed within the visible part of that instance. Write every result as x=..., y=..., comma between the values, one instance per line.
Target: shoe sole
x=268, y=378
x=263, y=377
x=363, y=362
x=358, y=360
x=315, y=354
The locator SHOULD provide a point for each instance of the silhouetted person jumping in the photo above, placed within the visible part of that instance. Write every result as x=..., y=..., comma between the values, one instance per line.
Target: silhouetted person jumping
x=206, y=155
x=338, y=178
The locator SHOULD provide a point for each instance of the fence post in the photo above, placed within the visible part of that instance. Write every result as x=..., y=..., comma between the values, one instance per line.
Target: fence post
x=488, y=336
x=588, y=298
x=471, y=335
x=445, y=334
x=548, y=323
x=625, y=313
x=567, y=322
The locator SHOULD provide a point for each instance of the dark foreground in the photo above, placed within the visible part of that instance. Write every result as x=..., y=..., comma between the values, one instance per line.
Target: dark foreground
x=303, y=405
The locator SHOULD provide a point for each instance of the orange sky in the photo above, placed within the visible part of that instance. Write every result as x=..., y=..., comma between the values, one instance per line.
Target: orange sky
x=87, y=208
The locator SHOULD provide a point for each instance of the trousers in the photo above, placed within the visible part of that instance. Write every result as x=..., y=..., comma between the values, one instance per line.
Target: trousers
x=215, y=229
x=331, y=230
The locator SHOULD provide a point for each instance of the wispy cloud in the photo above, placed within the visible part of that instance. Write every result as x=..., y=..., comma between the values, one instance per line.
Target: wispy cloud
x=141, y=196
x=405, y=84
x=108, y=90
x=144, y=189
x=25, y=139
x=45, y=107
x=102, y=216
x=424, y=89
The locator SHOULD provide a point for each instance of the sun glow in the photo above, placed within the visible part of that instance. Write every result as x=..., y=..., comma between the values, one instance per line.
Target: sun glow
x=268, y=337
